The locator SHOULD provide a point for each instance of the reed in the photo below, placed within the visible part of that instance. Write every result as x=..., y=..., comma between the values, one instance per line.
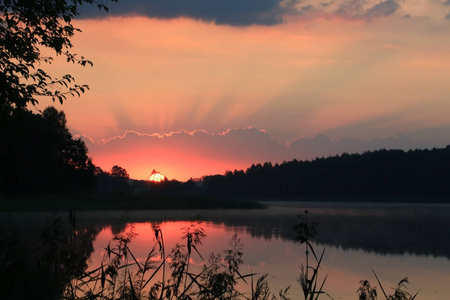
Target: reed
x=367, y=292
x=308, y=278
x=309, y=272
x=400, y=290
x=122, y=276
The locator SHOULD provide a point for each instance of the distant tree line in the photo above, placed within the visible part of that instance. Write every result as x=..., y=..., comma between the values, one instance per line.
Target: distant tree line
x=118, y=181
x=115, y=180
x=417, y=173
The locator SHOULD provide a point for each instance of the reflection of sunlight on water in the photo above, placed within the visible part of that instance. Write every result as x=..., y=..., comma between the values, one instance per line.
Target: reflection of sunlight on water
x=281, y=259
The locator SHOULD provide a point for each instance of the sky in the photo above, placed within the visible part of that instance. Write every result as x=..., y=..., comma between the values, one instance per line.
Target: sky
x=193, y=88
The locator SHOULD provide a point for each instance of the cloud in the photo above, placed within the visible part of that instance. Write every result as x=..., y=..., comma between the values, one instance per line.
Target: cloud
x=383, y=9
x=350, y=9
x=230, y=12
x=354, y=9
x=326, y=4
x=307, y=8
x=246, y=12
x=181, y=155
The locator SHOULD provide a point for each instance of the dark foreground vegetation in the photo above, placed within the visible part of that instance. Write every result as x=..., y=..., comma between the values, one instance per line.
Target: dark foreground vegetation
x=38, y=154
x=58, y=267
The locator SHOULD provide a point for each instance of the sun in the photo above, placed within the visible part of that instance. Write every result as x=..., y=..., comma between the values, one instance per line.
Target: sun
x=156, y=176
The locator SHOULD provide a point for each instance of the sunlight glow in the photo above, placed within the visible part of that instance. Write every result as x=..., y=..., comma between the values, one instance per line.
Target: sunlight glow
x=156, y=176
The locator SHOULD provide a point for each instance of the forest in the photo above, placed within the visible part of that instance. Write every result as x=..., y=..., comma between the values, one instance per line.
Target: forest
x=40, y=155
x=382, y=175
x=393, y=173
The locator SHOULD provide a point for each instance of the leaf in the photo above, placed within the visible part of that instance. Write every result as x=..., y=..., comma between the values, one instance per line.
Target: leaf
x=312, y=249
x=133, y=292
x=381, y=286
x=103, y=277
x=195, y=248
x=134, y=258
x=154, y=273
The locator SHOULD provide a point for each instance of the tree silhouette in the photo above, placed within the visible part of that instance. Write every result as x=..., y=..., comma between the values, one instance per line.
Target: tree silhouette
x=114, y=181
x=70, y=151
x=393, y=173
x=38, y=153
x=26, y=29
x=117, y=171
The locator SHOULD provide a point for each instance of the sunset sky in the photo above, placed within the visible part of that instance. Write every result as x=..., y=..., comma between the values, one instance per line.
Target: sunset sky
x=192, y=88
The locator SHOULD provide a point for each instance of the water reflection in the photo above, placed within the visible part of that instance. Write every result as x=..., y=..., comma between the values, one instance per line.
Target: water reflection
x=380, y=228
x=39, y=254
x=412, y=240
x=398, y=241
x=387, y=230
x=281, y=259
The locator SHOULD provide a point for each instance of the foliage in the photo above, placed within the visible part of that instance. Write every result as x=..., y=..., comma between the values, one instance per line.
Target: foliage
x=415, y=173
x=366, y=292
x=309, y=274
x=122, y=276
x=305, y=230
x=115, y=181
x=39, y=154
x=28, y=30
x=400, y=292
x=117, y=171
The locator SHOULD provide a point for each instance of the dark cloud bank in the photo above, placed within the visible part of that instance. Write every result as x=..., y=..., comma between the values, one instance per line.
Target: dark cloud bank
x=244, y=12
x=230, y=12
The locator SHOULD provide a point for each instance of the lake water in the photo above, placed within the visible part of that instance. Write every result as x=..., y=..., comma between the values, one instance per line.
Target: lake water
x=396, y=240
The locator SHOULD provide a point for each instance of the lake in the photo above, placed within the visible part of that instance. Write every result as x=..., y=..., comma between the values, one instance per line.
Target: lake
x=396, y=240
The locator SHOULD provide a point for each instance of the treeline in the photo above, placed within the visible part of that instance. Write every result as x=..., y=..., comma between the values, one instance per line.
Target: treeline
x=416, y=173
x=38, y=154
x=110, y=182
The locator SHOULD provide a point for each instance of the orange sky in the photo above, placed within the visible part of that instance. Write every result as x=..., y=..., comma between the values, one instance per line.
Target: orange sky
x=364, y=72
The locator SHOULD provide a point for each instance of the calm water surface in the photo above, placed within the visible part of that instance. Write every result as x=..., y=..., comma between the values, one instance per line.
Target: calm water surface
x=397, y=240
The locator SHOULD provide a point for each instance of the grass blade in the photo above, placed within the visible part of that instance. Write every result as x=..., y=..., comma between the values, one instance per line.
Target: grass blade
x=381, y=286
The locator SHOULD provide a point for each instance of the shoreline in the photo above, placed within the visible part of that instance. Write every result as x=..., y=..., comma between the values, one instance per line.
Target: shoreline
x=91, y=201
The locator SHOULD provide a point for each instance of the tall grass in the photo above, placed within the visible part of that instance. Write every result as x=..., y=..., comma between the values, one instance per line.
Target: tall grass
x=309, y=272
x=367, y=292
x=400, y=290
x=167, y=275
